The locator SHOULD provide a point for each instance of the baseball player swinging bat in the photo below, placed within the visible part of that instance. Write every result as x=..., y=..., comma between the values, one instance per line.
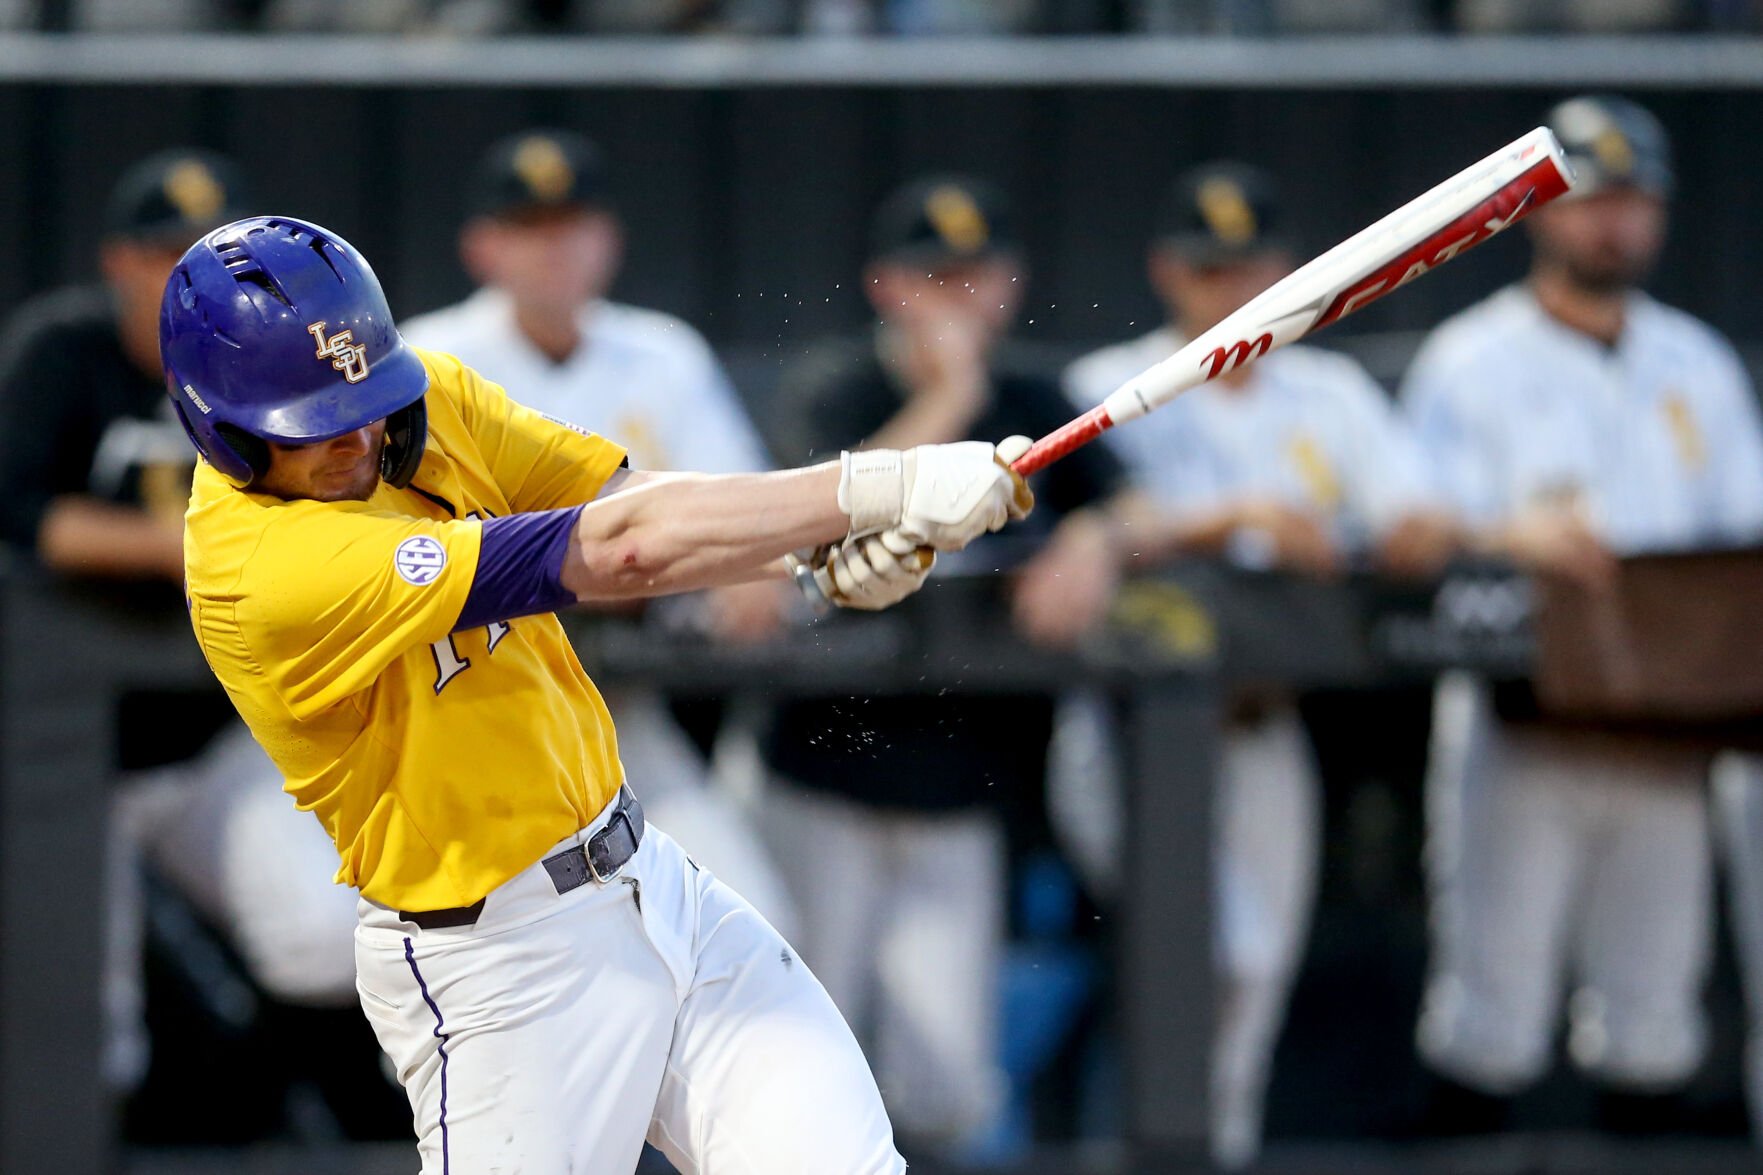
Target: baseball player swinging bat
x=1424, y=233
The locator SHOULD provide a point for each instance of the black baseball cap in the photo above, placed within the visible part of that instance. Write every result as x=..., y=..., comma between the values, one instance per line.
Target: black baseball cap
x=175, y=197
x=1222, y=212
x=941, y=219
x=537, y=170
x=1612, y=143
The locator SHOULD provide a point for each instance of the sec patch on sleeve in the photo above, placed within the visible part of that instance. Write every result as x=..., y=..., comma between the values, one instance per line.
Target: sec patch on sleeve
x=419, y=559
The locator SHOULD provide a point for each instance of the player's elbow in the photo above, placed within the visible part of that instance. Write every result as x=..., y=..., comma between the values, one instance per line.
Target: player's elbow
x=625, y=564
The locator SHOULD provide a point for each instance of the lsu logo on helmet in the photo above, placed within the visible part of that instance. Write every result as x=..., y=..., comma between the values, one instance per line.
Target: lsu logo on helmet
x=342, y=351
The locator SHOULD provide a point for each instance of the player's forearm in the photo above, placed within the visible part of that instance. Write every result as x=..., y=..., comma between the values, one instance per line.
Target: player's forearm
x=88, y=536
x=683, y=532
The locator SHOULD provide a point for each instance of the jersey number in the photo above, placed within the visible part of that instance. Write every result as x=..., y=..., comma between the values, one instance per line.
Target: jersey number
x=448, y=663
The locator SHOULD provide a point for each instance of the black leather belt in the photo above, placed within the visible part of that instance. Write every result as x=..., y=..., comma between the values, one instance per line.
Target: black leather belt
x=599, y=860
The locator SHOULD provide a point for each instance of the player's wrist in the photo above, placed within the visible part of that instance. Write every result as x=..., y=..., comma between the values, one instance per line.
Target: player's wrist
x=872, y=488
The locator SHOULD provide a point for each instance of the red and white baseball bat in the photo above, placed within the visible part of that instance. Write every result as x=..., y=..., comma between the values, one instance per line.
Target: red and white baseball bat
x=1446, y=222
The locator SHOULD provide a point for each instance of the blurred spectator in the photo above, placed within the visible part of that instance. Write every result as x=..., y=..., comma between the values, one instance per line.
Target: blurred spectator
x=457, y=17
x=161, y=16
x=94, y=466
x=544, y=244
x=1586, y=16
x=682, y=16
x=898, y=858
x=96, y=472
x=1258, y=17
x=1575, y=420
x=825, y=17
x=1295, y=461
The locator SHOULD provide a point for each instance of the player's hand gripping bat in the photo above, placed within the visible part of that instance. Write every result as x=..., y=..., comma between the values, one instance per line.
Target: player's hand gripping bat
x=1424, y=233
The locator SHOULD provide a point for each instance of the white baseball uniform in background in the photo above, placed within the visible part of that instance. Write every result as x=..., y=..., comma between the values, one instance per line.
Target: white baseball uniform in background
x=641, y=377
x=1311, y=429
x=1556, y=854
x=220, y=830
x=650, y=382
x=1738, y=800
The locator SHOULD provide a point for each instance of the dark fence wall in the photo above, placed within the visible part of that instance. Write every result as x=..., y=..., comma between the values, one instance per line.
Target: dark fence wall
x=748, y=207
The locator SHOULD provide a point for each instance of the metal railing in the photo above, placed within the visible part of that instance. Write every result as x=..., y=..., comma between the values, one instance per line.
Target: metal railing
x=1414, y=61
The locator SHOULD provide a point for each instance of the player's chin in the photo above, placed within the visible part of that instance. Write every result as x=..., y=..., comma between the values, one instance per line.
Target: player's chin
x=351, y=486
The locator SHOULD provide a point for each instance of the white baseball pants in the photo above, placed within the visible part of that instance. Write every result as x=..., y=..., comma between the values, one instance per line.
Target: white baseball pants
x=903, y=916
x=1269, y=833
x=680, y=794
x=219, y=828
x=1738, y=798
x=559, y=1031
x=1561, y=860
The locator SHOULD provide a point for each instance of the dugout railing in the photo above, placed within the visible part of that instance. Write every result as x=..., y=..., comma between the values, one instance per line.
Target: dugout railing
x=69, y=652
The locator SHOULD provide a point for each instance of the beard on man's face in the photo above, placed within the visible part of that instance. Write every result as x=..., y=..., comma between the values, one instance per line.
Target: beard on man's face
x=360, y=487
x=1603, y=276
x=1600, y=271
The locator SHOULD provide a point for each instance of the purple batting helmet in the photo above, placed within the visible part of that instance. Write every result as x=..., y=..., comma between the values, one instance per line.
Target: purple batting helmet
x=273, y=329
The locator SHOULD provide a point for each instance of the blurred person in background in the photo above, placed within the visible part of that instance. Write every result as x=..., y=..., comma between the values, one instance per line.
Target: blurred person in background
x=824, y=17
x=1261, y=17
x=162, y=16
x=544, y=244
x=459, y=18
x=895, y=808
x=1580, y=16
x=1574, y=420
x=96, y=473
x=1295, y=461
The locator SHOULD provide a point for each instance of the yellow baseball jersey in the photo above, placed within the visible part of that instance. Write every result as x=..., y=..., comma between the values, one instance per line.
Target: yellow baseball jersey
x=442, y=763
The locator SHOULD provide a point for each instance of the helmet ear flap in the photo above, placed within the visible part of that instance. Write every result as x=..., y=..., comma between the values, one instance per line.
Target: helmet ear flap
x=406, y=438
x=240, y=457
x=242, y=451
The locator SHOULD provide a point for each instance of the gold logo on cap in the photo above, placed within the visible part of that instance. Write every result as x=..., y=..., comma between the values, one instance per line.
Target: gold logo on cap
x=1225, y=209
x=192, y=189
x=544, y=169
x=957, y=219
x=1615, y=153
x=342, y=351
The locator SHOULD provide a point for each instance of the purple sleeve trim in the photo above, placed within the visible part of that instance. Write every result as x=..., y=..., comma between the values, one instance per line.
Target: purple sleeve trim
x=520, y=567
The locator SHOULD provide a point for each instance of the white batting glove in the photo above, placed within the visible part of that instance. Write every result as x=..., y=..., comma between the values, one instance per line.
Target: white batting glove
x=877, y=572
x=940, y=496
x=868, y=573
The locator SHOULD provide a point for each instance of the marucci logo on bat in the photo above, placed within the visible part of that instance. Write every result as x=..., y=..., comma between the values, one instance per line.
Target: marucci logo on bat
x=1223, y=359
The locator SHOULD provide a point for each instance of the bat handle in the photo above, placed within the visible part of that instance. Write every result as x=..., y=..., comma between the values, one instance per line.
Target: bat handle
x=1063, y=440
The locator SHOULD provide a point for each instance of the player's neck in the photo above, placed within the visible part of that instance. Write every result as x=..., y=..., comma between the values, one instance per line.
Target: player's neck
x=1598, y=314
x=555, y=333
